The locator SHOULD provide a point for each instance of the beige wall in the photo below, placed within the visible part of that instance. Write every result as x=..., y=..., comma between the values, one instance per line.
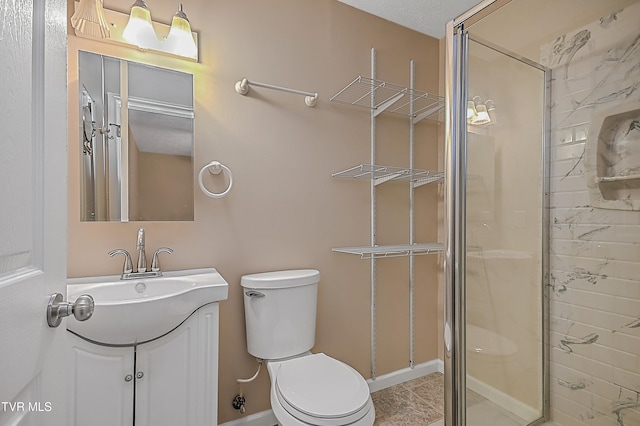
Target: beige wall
x=285, y=210
x=164, y=177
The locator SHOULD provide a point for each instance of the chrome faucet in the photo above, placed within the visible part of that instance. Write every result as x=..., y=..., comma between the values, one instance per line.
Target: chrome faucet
x=127, y=269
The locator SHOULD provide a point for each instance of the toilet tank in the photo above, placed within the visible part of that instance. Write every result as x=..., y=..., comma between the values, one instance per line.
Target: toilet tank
x=280, y=312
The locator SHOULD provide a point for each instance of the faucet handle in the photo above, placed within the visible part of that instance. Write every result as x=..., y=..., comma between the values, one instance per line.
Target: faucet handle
x=140, y=239
x=155, y=263
x=128, y=265
x=142, y=257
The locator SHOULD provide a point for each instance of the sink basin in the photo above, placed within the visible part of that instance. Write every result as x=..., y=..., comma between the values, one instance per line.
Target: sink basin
x=138, y=310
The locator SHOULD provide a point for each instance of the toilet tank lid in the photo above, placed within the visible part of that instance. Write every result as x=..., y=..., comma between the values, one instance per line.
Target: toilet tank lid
x=281, y=279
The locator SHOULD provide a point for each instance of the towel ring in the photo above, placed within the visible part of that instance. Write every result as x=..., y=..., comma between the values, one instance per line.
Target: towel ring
x=215, y=168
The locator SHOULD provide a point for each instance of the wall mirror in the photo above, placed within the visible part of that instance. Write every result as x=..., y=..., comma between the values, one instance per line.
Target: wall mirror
x=136, y=141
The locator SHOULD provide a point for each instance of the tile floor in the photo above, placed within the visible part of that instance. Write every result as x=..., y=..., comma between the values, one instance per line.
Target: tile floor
x=420, y=402
x=416, y=402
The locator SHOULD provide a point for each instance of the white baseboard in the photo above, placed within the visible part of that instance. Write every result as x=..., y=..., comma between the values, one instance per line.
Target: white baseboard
x=263, y=418
x=503, y=400
x=406, y=374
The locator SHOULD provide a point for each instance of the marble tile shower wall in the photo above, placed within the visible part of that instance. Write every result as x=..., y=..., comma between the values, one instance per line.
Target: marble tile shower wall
x=595, y=253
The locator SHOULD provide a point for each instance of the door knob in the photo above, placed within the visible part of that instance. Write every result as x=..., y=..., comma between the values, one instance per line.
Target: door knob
x=82, y=308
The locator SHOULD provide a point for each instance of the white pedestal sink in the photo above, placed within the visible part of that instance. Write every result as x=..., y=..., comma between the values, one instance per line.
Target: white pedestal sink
x=135, y=311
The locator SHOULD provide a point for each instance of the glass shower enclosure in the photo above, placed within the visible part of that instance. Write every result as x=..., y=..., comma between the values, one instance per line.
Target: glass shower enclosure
x=496, y=248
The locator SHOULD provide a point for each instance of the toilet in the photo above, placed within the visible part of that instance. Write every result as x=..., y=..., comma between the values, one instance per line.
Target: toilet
x=306, y=389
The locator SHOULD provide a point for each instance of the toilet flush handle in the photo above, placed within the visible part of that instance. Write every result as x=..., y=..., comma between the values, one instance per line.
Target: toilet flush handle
x=253, y=293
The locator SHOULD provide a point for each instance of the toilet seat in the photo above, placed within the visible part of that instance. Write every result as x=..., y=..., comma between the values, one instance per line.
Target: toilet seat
x=320, y=390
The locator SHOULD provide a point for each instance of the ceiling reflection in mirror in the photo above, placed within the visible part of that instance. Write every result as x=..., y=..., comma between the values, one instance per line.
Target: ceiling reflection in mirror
x=136, y=140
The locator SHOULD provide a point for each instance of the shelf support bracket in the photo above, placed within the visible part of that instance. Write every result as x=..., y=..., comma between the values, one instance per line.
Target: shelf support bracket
x=427, y=113
x=386, y=104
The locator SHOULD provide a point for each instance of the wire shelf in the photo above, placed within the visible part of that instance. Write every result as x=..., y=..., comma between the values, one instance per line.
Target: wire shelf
x=382, y=174
x=385, y=251
x=392, y=98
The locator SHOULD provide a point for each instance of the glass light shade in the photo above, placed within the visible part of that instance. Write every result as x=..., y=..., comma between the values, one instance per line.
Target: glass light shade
x=180, y=40
x=471, y=111
x=482, y=117
x=139, y=30
x=89, y=20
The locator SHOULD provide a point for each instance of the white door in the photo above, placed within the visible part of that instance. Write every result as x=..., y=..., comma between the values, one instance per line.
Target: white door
x=33, y=198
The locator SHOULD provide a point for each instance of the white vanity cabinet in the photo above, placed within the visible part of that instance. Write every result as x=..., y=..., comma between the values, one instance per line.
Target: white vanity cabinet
x=100, y=384
x=172, y=380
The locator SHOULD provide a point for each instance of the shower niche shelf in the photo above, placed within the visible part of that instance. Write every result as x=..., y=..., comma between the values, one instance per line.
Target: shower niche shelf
x=613, y=158
x=617, y=178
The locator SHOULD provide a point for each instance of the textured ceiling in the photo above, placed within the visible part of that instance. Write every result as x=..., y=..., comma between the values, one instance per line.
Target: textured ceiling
x=426, y=16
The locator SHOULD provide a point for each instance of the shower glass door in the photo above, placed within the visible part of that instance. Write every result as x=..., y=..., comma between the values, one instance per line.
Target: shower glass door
x=497, y=236
x=505, y=237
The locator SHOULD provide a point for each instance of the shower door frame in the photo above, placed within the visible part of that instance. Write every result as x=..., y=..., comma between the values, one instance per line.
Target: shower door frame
x=456, y=94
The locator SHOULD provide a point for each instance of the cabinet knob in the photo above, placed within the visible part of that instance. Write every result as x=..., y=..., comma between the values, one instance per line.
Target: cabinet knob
x=128, y=377
x=139, y=375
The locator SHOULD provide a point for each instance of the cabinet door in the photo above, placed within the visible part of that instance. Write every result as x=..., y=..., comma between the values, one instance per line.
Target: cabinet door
x=99, y=392
x=177, y=375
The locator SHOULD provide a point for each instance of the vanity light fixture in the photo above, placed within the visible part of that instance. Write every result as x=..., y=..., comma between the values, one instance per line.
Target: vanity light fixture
x=139, y=31
x=88, y=20
x=136, y=29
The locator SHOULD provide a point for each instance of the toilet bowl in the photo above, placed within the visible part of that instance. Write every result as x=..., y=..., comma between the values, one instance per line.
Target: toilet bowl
x=316, y=389
x=306, y=389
